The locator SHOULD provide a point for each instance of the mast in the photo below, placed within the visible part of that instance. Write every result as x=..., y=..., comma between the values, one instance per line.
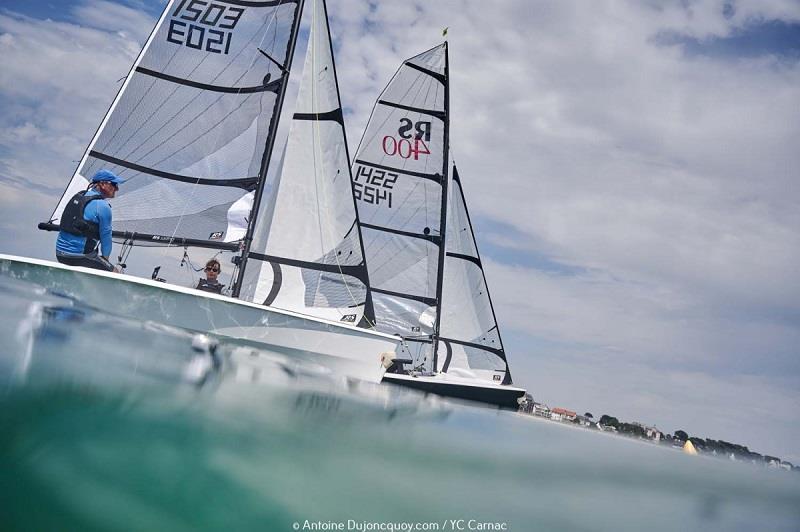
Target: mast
x=443, y=222
x=273, y=127
x=369, y=310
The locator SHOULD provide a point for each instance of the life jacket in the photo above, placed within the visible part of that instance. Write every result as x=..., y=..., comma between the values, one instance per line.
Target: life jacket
x=207, y=286
x=73, y=222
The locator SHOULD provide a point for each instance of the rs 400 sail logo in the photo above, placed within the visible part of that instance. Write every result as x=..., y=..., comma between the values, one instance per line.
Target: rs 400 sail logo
x=204, y=25
x=411, y=140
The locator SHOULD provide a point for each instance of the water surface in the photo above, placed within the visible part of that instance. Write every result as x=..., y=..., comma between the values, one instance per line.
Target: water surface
x=108, y=423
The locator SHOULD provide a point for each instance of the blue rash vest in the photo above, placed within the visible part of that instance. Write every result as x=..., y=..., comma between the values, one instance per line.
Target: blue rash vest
x=99, y=212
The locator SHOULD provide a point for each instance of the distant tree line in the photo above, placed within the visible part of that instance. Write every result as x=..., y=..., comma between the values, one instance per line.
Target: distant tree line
x=678, y=439
x=703, y=445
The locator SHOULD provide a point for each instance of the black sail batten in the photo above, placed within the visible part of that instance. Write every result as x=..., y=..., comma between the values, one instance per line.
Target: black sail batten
x=246, y=183
x=272, y=86
x=162, y=240
x=449, y=356
x=368, y=317
x=470, y=258
x=441, y=115
x=498, y=352
x=267, y=155
x=433, y=177
x=422, y=299
x=501, y=352
x=435, y=239
x=358, y=271
x=443, y=222
x=277, y=280
x=335, y=115
x=441, y=78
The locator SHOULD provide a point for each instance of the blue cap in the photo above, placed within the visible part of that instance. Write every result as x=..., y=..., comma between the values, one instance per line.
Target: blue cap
x=107, y=175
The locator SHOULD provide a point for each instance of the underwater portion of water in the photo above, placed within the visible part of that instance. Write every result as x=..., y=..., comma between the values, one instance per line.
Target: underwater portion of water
x=108, y=423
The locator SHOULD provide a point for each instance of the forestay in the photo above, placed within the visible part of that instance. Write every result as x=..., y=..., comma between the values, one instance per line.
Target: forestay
x=307, y=253
x=469, y=337
x=398, y=174
x=191, y=124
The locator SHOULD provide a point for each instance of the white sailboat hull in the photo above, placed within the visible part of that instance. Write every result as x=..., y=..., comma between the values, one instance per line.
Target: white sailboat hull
x=344, y=349
x=500, y=395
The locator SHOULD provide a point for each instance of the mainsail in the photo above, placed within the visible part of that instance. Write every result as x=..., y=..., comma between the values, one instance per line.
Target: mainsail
x=193, y=125
x=308, y=245
x=425, y=271
x=400, y=187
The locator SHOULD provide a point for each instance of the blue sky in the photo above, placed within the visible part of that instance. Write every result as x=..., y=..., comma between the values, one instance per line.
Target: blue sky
x=62, y=10
x=630, y=169
x=753, y=40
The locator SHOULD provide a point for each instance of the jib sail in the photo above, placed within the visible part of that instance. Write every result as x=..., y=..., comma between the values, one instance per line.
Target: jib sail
x=469, y=332
x=307, y=255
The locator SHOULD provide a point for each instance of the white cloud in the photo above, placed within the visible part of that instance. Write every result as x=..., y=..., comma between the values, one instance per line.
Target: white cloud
x=668, y=179
x=114, y=18
x=56, y=81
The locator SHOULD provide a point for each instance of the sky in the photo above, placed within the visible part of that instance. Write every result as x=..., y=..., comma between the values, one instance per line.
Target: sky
x=631, y=169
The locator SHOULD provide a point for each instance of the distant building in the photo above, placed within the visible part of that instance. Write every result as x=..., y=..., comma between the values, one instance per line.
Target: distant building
x=541, y=410
x=562, y=414
x=772, y=461
x=653, y=433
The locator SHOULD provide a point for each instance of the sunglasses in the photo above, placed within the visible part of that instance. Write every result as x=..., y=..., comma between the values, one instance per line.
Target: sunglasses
x=209, y=269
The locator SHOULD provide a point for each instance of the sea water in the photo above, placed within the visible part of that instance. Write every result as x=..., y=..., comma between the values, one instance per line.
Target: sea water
x=112, y=424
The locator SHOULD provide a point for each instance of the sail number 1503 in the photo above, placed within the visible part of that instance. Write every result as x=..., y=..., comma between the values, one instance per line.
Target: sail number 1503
x=204, y=25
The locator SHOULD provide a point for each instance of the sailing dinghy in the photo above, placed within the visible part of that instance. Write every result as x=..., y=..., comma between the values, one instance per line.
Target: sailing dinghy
x=425, y=271
x=192, y=131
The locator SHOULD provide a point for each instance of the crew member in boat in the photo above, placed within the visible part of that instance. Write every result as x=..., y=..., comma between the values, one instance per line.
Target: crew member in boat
x=210, y=283
x=86, y=225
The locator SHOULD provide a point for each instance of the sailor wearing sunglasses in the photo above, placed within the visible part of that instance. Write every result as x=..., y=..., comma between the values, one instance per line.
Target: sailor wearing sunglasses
x=210, y=283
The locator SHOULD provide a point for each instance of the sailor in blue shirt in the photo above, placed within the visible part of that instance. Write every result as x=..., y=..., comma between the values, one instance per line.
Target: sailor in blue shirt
x=86, y=223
